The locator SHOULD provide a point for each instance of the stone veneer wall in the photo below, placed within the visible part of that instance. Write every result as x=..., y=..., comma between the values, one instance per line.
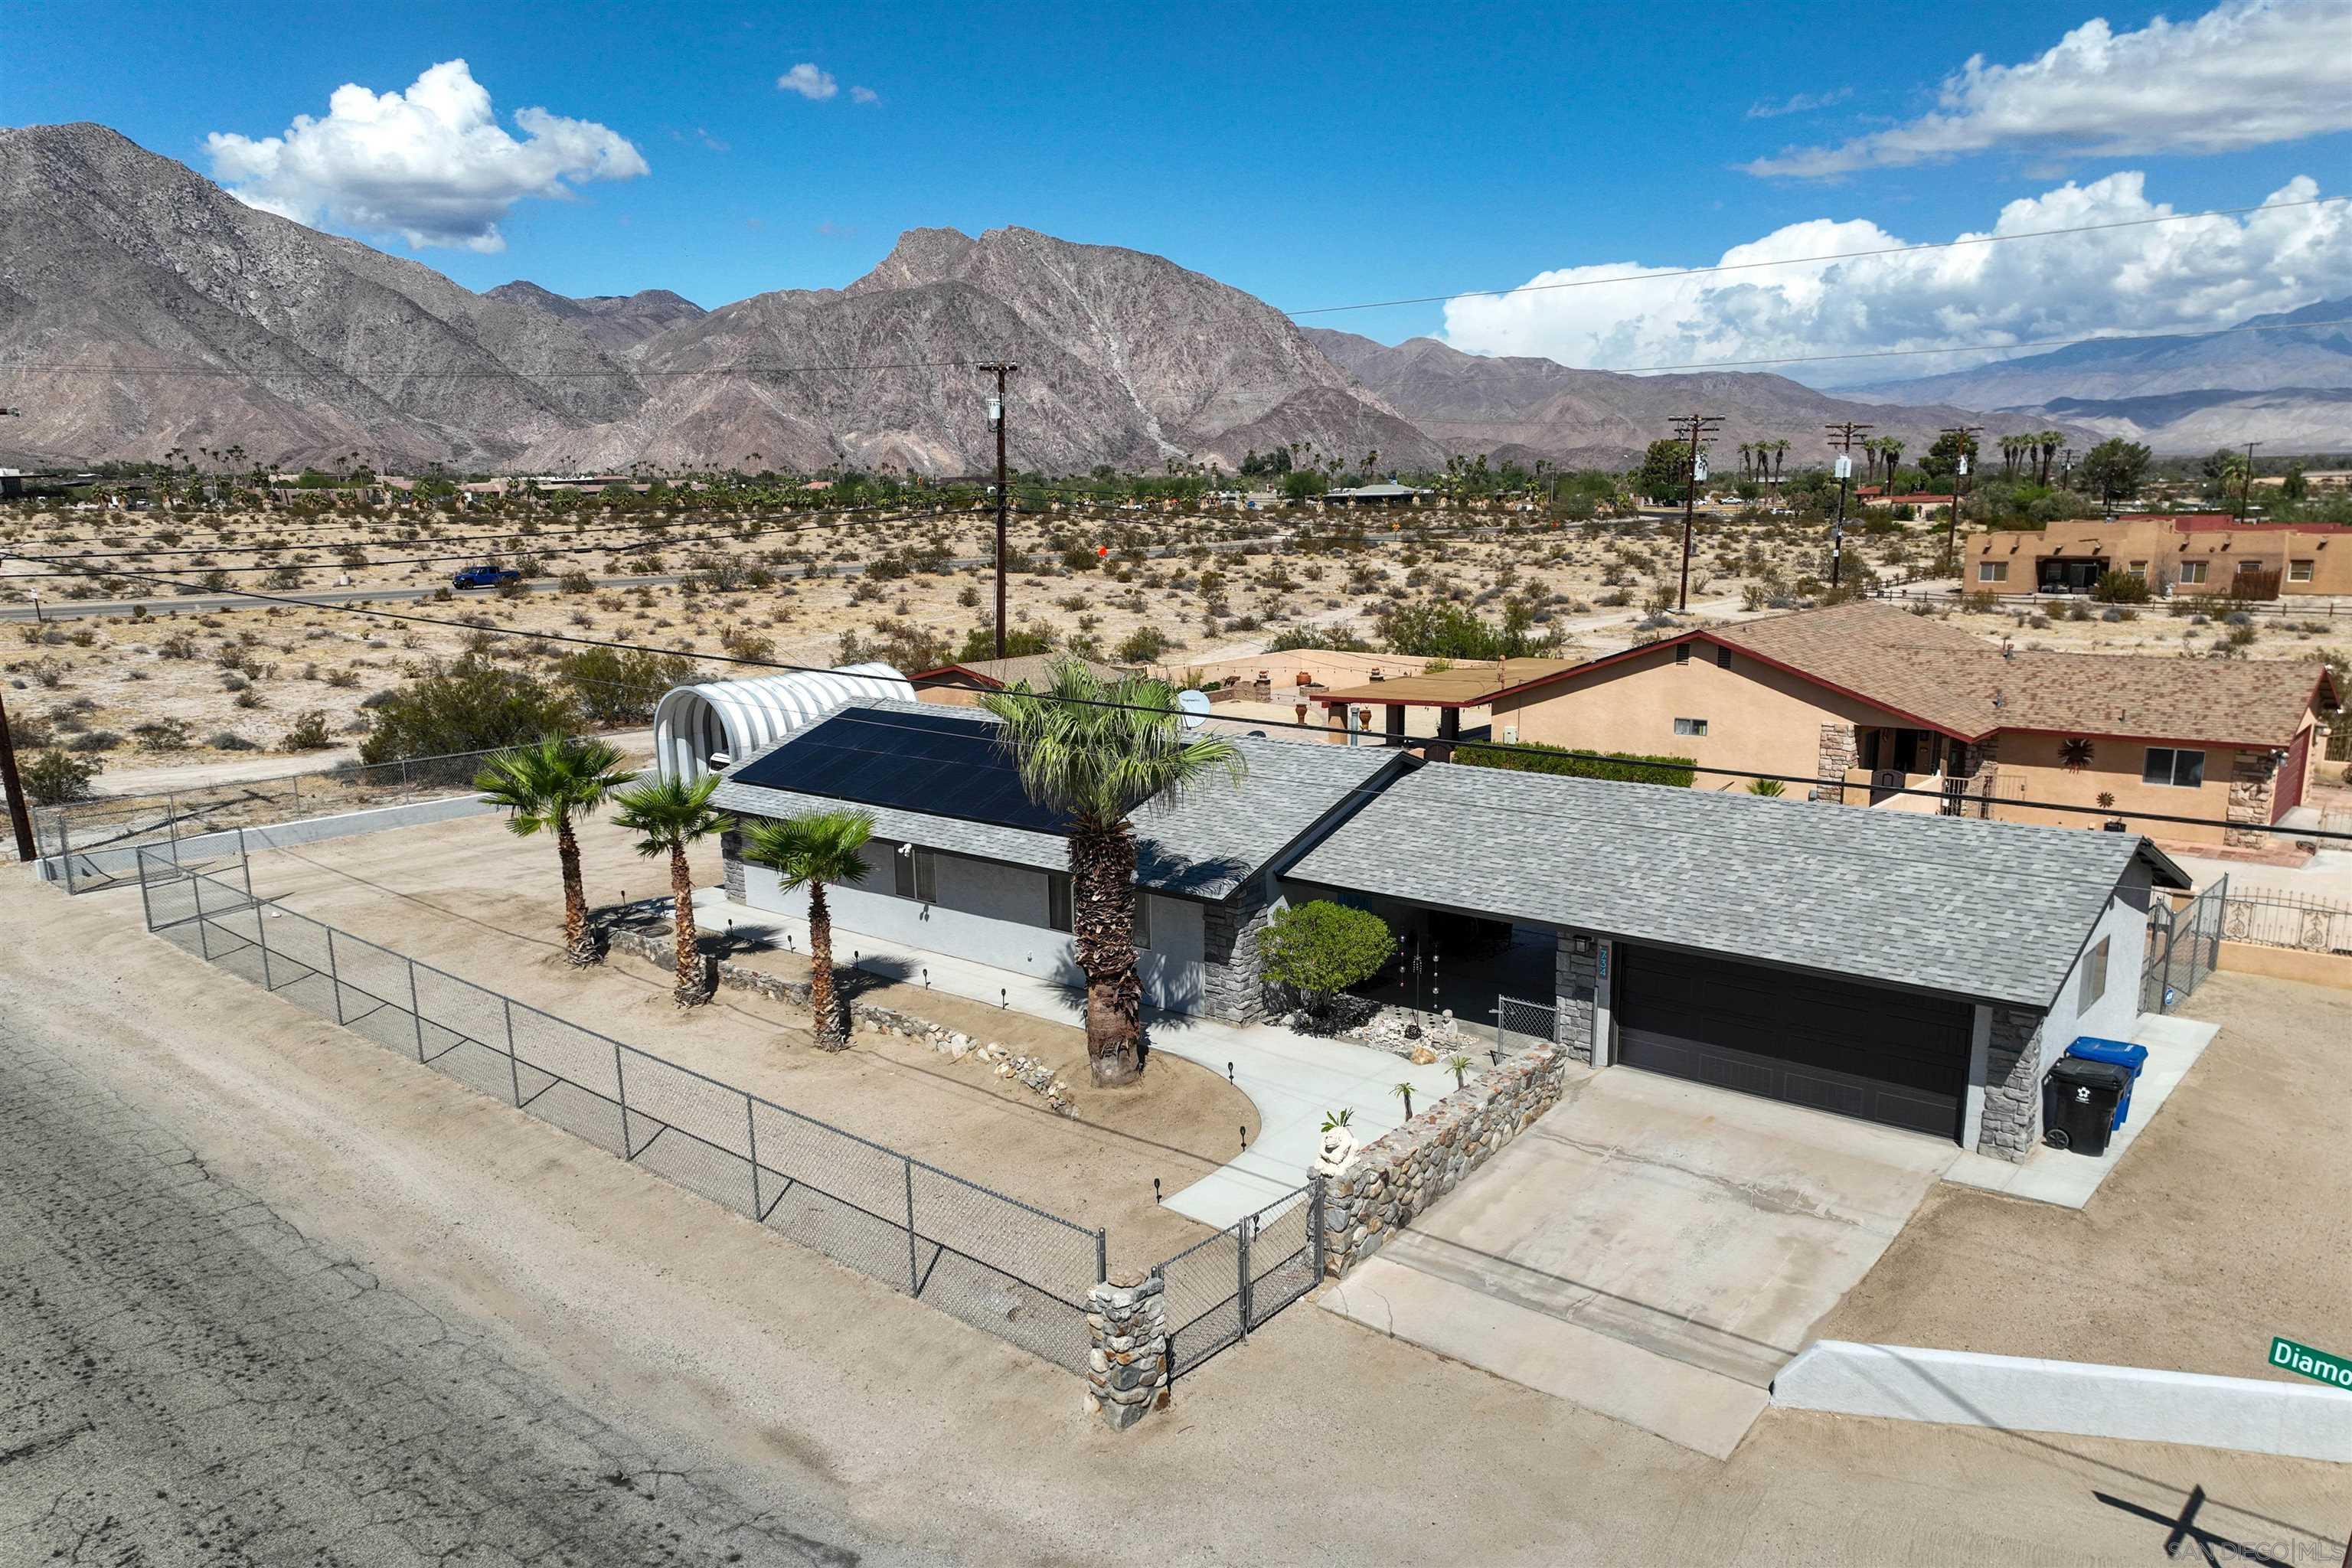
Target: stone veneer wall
x=1126, y=1356
x=1576, y=976
x=731, y=863
x=2012, y=1089
x=1397, y=1176
x=1840, y=750
x=1979, y=763
x=1234, y=989
x=2252, y=778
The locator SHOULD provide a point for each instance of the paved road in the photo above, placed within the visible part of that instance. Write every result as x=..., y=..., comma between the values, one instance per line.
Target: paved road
x=186, y=1378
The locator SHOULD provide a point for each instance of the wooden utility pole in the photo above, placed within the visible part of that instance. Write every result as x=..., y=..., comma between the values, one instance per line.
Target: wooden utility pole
x=2246, y=488
x=996, y=418
x=20, y=816
x=1967, y=433
x=1693, y=428
x=1841, y=436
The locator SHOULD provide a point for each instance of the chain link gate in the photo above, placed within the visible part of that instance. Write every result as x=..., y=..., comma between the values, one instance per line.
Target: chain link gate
x=1220, y=1287
x=1522, y=1025
x=2184, y=946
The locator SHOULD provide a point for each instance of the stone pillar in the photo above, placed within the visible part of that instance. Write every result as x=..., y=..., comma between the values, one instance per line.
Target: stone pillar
x=1576, y=978
x=731, y=863
x=1839, y=749
x=2012, y=1089
x=1234, y=986
x=2252, y=778
x=1126, y=1361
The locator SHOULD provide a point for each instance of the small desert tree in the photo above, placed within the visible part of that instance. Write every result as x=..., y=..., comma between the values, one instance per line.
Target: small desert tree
x=668, y=815
x=1320, y=948
x=817, y=851
x=549, y=785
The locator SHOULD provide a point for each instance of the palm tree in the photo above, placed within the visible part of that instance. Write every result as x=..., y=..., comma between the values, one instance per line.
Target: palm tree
x=1747, y=450
x=2049, y=441
x=1894, y=458
x=822, y=849
x=669, y=814
x=1093, y=750
x=551, y=784
x=1779, y=450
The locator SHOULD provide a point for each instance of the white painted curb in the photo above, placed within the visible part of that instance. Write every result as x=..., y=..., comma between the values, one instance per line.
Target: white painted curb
x=2022, y=1394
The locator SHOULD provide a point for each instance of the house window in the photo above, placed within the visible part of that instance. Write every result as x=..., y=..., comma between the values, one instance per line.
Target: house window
x=2246, y=566
x=2095, y=976
x=2192, y=571
x=1992, y=571
x=1690, y=726
x=1142, y=920
x=1682, y=653
x=2167, y=765
x=1722, y=657
x=1057, y=900
x=916, y=873
x=2137, y=568
x=2298, y=570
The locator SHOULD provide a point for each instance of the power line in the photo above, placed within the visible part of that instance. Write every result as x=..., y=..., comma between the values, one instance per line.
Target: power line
x=1801, y=261
x=1506, y=747
x=410, y=372
x=2117, y=336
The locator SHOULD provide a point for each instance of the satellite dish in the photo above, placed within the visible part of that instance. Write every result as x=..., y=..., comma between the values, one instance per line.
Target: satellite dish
x=1195, y=705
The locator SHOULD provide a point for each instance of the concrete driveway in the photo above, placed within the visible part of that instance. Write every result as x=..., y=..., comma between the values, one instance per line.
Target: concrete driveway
x=1650, y=1249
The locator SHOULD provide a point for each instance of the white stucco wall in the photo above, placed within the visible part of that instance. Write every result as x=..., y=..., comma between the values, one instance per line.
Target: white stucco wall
x=991, y=913
x=2116, y=1012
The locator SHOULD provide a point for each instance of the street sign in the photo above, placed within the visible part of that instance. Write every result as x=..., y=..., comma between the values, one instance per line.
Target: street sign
x=2317, y=1365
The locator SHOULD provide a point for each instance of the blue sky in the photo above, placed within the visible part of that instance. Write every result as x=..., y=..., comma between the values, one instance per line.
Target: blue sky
x=1320, y=155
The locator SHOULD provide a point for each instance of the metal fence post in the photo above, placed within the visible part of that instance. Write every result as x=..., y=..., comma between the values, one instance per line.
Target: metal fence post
x=1315, y=1220
x=1242, y=1292
x=1102, y=1256
x=334, y=975
x=914, y=1274
x=261, y=934
x=2164, y=980
x=415, y=1013
x=514, y=1073
x=752, y=1143
x=621, y=1088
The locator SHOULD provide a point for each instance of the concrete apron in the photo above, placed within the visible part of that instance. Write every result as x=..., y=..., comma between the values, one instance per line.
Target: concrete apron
x=1652, y=1249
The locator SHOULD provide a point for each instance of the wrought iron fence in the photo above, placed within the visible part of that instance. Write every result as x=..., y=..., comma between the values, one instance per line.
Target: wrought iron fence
x=2301, y=921
x=1220, y=1287
x=2184, y=946
x=993, y=1261
x=93, y=844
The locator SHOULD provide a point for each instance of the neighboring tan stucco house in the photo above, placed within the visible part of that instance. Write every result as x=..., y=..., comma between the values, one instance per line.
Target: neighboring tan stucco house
x=2191, y=553
x=1869, y=700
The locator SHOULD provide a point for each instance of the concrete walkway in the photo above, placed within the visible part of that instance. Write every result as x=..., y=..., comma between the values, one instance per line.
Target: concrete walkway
x=1294, y=1081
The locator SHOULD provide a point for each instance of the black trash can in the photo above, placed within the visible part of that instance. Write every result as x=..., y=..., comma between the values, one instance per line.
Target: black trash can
x=2078, y=1103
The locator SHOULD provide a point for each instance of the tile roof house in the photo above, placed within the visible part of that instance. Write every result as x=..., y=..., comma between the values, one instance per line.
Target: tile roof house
x=1871, y=700
x=961, y=684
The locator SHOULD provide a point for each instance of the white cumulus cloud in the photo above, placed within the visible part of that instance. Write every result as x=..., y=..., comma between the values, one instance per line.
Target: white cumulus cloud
x=808, y=82
x=431, y=164
x=2246, y=74
x=864, y=95
x=2187, y=276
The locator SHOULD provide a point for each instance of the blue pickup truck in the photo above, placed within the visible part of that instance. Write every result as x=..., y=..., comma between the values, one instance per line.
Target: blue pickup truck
x=485, y=577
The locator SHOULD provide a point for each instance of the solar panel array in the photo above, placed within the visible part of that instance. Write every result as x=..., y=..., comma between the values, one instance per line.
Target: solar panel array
x=935, y=763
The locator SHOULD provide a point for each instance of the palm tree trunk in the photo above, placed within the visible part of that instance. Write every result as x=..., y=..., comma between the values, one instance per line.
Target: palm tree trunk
x=691, y=991
x=822, y=1003
x=578, y=945
x=1102, y=908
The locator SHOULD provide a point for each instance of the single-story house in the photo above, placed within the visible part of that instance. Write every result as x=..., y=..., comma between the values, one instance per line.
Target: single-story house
x=961, y=684
x=1921, y=972
x=963, y=863
x=1869, y=700
x=1470, y=687
x=1387, y=492
x=2172, y=552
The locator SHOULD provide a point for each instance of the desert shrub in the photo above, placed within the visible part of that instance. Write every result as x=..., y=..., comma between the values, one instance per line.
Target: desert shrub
x=614, y=687
x=230, y=740
x=94, y=740
x=309, y=732
x=1623, y=767
x=471, y=704
x=54, y=777
x=161, y=735
x=1144, y=645
x=2120, y=588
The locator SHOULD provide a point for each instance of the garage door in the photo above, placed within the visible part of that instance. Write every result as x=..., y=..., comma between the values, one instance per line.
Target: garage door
x=1859, y=1050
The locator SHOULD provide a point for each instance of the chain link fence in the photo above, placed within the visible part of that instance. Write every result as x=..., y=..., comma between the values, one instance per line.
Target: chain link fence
x=2184, y=946
x=92, y=845
x=993, y=1261
x=1220, y=1287
x=1522, y=1025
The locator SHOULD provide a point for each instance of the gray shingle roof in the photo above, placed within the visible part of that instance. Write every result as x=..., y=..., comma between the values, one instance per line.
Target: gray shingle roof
x=1992, y=911
x=1205, y=844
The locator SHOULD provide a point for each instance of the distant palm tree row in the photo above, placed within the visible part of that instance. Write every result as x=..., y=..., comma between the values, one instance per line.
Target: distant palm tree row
x=2035, y=449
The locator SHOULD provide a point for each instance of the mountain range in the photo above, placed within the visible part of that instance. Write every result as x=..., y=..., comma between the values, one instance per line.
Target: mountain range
x=2285, y=380
x=220, y=326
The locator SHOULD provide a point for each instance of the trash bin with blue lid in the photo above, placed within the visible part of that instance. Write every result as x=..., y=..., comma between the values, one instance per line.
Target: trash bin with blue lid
x=2091, y=1048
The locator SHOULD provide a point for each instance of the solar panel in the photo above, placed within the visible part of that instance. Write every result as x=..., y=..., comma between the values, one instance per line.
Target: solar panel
x=935, y=763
